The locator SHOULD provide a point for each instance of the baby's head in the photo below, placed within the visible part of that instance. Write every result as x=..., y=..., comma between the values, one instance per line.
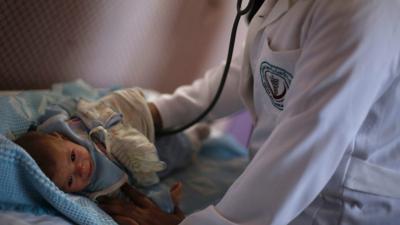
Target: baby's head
x=66, y=163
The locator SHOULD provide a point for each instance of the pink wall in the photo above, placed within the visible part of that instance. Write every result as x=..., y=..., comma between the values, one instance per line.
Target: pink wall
x=152, y=44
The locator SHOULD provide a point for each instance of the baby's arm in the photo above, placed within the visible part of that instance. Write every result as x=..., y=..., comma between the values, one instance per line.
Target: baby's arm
x=136, y=153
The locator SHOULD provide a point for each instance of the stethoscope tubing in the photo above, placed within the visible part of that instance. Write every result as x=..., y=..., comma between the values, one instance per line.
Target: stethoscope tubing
x=239, y=12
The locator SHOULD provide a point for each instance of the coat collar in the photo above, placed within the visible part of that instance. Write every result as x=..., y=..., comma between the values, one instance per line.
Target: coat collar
x=270, y=15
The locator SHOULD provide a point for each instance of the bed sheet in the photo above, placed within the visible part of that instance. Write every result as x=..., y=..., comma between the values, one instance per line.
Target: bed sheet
x=218, y=164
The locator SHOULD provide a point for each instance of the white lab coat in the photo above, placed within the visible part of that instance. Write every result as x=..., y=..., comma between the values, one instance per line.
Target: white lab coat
x=321, y=79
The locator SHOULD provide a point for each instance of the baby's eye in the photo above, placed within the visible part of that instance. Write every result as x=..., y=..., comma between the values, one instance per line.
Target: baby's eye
x=73, y=156
x=70, y=181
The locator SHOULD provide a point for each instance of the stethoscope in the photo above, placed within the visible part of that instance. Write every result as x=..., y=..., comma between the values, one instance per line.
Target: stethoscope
x=239, y=12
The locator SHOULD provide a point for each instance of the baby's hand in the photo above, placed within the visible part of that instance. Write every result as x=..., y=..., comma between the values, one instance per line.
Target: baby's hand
x=176, y=193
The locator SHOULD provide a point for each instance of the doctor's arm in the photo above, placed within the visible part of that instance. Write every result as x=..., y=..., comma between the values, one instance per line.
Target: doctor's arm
x=188, y=101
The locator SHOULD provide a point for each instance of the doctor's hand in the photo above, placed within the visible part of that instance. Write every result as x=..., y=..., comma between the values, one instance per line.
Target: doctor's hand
x=141, y=210
x=158, y=124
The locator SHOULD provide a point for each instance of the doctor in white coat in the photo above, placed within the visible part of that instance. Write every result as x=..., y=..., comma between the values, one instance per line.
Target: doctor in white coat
x=321, y=79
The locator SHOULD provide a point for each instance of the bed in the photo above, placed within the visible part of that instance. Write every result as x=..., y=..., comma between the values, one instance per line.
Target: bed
x=28, y=197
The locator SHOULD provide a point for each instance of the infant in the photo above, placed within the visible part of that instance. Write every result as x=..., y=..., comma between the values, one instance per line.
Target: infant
x=71, y=166
x=109, y=143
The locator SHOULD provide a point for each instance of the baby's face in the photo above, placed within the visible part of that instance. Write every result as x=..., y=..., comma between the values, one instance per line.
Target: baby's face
x=74, y=165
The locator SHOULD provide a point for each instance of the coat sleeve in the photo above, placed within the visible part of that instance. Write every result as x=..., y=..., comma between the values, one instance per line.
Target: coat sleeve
x=348, y=59
x=187, y=102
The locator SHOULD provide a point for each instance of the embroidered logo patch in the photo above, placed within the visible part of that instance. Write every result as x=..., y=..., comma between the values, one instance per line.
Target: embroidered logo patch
x=276, y=82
